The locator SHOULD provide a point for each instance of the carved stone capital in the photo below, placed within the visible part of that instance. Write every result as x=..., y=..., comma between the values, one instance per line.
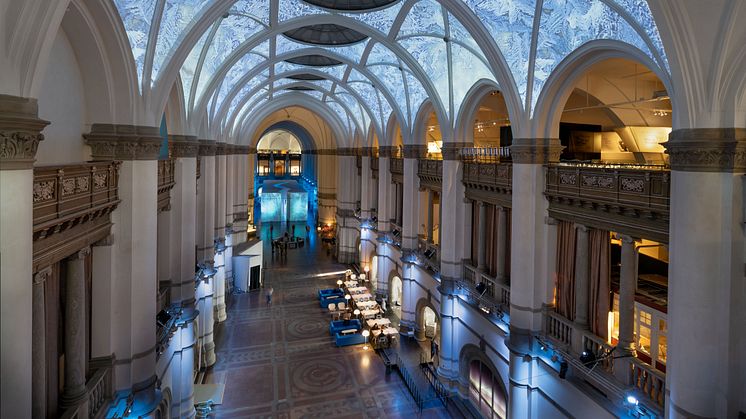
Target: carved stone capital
x=452, y=150
x=367, y=151
x=42, y=275
x=183, y=146
x=81, y=254
x=707, y=150
x=20, y=132
x=124, y=142
x=386, y=151
x=535, y=150
x=207, y=148
x=415, y=151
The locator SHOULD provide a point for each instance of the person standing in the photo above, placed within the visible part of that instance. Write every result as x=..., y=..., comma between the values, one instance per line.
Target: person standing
x=269, y=295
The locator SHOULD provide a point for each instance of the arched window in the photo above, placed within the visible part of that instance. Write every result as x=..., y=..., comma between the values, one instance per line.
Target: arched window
x=486, y=391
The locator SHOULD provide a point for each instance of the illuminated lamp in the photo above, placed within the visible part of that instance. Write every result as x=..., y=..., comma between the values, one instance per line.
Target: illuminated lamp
x=366, y=333
x=588, y=359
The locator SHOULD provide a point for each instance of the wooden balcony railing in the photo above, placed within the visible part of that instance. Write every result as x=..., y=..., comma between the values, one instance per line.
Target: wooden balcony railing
x=396, y=166
x=489, y=182
x=430, y=172
x=71, y=207
x=166, y=182
x=374, y=166
x=485, y=154
x=629, y=199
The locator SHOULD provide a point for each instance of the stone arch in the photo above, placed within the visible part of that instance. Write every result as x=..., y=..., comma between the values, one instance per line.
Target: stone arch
x=419, y=312
x=464, y=126
x=419, y=126
x=175, y=112
x=469, y=353
x=561, y=82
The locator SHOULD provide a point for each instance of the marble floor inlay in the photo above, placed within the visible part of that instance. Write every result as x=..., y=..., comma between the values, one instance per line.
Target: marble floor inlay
x=279, y=361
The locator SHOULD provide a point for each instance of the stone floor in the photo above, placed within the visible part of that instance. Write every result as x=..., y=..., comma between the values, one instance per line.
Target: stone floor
x=280, y=361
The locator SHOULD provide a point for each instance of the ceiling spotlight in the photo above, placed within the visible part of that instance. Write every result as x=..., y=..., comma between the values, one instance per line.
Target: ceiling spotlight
x=632, y=400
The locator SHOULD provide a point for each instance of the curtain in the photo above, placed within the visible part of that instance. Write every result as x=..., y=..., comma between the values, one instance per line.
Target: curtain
x=508, y=238
x=491, y=238
x=599, y=298
x=565, y=275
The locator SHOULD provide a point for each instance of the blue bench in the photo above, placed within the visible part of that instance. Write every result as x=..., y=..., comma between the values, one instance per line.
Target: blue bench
x=349, y=339
x=331, y=296
x=337, y=326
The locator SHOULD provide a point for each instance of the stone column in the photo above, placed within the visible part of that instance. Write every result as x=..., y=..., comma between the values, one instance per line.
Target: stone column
x=20, y=133
x=183, y=208
x=365, y=184
x=205, y=292
x=410, y=205
x=429, y=232
x=346, y=222
x=220, y=231
x=482, y=242
x=582, y=276
x=706, y=272
x=230, y=176
x=135, y=240
x=75, y=391
x=627, y=288
x=399, y=199
x=502, y=243
x=531, y=286
x=452, y=253
x=38, y=349
x=384, y=215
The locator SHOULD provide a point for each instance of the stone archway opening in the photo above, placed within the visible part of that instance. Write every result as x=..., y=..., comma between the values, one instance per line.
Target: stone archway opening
x=486, y=390
x=395, y=295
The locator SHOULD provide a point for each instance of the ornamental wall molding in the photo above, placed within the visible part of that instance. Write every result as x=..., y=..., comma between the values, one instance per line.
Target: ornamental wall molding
x=535, y=150
x=386, y=151
x=221, y=149
x=207, y=148
x=367, y=151
x=184, y=146
x=20, y=132
x=452, y=151
x=707, y=150
x=124, y=142
x=347, y=152
x=414, y=151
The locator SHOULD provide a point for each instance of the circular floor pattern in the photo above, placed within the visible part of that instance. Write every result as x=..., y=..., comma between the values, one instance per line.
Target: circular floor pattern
x=319, y=376
x=307, y=328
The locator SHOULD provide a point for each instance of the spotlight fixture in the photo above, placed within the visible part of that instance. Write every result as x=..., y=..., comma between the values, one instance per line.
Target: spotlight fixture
x=632, y=400
x=588, y=359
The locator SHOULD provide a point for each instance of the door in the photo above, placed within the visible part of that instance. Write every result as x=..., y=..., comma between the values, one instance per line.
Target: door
x=254, y=277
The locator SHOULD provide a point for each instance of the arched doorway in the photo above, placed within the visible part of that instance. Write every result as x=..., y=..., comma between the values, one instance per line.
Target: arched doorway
x=486, y=390
x=430, y=323
x=395, y=295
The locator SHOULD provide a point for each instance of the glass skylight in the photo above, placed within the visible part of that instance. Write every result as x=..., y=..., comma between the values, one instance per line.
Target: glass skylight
x=177, y=14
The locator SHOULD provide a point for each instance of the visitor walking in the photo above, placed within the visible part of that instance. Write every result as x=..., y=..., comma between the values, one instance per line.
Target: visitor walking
x=269, y=295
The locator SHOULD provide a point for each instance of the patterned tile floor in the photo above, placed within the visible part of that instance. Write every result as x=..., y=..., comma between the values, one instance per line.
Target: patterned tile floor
x=279, y=361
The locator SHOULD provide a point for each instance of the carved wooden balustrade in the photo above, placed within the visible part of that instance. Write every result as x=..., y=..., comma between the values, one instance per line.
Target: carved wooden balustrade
x=396, y=166
x=71, y=208
x=489, y=182
x=166, y=182
x=430, y=172
x=632, y=200
x=374, y=166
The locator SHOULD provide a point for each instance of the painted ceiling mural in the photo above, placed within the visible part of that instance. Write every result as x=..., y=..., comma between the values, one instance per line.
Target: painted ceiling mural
x=364, y=59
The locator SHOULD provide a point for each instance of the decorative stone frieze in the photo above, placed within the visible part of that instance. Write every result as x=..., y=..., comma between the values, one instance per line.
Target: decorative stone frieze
x=707, y=150
x=123, y=142
x=346, y=152
x=183, y=146
x=386, y=151
x=535, y=150
x=452, y=151
x=367, y=151
x=220, y=149
x=415, y=151
x=345, y=213
x=326, y=195
x=20, y=132
x=207, y=148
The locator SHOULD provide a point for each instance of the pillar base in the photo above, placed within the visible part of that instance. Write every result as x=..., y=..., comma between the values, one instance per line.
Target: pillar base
x=220, y=313
x=208, y=354
x=73, y=397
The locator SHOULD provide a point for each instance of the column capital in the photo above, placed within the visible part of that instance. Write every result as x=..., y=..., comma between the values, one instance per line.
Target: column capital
x=41, y=276
x=535, y=150
x=367, y=151
x=452, y=150
x=124, y=142
x=20, y=132
x=206, y=147
x=80, y=254
x=415, y=151
x=582, y=227
x=707, y=150
x=386, y=151
x=627, y=239
x=183, y=146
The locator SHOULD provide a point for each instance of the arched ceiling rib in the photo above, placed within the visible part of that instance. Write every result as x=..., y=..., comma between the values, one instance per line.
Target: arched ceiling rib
x=408, y=43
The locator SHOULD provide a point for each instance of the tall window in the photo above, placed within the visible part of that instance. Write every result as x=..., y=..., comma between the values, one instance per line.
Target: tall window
x=485, y=391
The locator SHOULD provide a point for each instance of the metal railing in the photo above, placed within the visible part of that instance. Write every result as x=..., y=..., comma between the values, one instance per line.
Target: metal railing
x=410, y=383
x=485, y=154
